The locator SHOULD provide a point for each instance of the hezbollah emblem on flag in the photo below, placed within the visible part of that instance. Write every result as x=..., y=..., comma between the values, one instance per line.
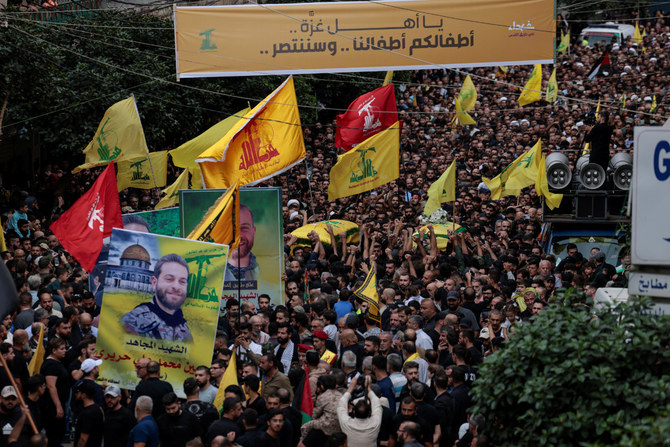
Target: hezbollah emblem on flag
x=106, y=142
x=363, y=167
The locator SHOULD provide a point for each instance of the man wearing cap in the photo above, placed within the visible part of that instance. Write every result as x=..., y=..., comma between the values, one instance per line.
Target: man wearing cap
x=90, y=424
x=9, y=411
x=454, y=307
x=91, y=371
x=319, y=341
x=118, y=419
x=302, y=350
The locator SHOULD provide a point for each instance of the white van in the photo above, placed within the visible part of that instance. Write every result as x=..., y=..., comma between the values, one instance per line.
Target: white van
x=609, y=32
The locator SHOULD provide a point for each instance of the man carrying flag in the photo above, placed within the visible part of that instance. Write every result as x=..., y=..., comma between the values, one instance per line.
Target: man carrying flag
x=368, y=115
x=82, y=228
x=602, y=65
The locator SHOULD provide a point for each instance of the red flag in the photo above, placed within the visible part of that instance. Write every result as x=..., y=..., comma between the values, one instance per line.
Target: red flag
x=368, y=115
x=82, y=228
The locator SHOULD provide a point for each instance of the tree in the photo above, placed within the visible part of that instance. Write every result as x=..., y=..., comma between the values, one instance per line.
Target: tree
x=578, y=375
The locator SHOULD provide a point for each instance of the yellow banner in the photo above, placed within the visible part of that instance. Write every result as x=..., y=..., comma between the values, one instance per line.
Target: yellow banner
x=265, y=142
x=371, y=164
x=143, y=173
x=119, y=137
x=361, y=36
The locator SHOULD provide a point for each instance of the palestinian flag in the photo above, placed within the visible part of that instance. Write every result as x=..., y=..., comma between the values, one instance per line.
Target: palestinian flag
x=303, y=398
x=602, y=65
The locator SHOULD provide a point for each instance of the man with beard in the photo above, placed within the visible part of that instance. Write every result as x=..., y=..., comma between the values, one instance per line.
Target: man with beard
x=176, y=427
x=118, y=419
x=274, y=380
x=162, y=318
x=9, y=412
x=242, y=263
x=207, y=392
x=286, y=350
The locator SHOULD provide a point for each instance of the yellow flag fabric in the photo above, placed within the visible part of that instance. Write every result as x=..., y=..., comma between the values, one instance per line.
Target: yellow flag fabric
x=389, y=78
x=552, y=87
x=587, y=146
x=503, y=69
x=462, y=117
x=533, y=89
x=622, y=101
x=519, y=174
x=3, y=244
x=371, y=164
x=442, y=190
x=172, y=192
x=654, y=105
x=637, y=37
x=564, y=44
x=143, y=173
x=229, y=378
x=468, y=94
x=196, y=177
x=38, y=357
x=119, y=137
x=265, y=142
x=542, y=187
x=184, y=156
x=368, y=293
x=221, y=224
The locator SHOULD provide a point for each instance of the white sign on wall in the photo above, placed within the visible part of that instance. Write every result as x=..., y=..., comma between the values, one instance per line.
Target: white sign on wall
x=651, y=197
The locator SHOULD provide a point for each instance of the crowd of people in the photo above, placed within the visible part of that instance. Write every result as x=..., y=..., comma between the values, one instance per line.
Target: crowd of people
x=404, y=380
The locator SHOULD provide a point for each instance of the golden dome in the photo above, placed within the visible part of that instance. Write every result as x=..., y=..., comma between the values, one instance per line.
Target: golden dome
x=136, y=252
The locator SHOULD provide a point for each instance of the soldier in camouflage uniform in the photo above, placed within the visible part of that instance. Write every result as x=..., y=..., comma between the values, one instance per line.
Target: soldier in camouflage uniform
x=162, y=317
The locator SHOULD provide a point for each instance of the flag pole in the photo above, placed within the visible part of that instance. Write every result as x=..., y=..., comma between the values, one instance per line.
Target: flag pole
x=309, y=184
x=21, y=401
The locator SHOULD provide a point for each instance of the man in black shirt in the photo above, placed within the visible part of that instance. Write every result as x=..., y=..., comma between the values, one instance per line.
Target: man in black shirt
x=153, y=387
x=58, y=391
x=91, y=421
x=118, y=419
x=252, y=433
x=204, y=412
x=599, y=137
x=232, y=410
x=9, y=412
x=176, y=427
x=275, y=420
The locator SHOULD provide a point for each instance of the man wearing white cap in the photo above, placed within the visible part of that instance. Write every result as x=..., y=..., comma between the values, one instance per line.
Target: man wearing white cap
x=10, y=412
x=91, y=372
x=118, y=419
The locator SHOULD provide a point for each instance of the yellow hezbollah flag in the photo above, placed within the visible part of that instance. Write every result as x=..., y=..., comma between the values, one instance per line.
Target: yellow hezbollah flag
x=38, y=357
x=119, y=137
x=637, y=37
x=442, y=190
x=587, y=146
x=654, y=105
x=196, y=177
x=389, y=78
x=542, y=187
x=552, y=87
x=368, y=293
x=143, y=173
x=468, y=94
x=221, y=224
x=229, y=378
x=3, y=245
x=461, y=116
x=172, y=192
x=265, y=142
x=564, y=44
x=521, y=173
x=372, y=163
x=184, y=156
x=533, y=90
